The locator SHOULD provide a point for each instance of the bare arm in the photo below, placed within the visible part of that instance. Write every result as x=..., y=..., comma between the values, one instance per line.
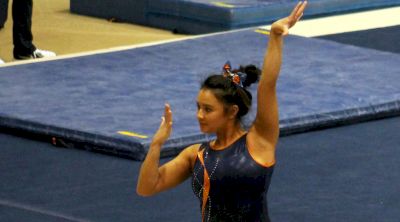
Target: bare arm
x=266, y=124
x=153, y=178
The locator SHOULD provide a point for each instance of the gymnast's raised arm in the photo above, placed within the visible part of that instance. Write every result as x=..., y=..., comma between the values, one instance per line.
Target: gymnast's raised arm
x=154, y=178
x=266, y=124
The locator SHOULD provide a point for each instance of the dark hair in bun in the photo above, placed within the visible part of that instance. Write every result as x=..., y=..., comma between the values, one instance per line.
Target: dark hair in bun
x=252, y=73
x=229, y=93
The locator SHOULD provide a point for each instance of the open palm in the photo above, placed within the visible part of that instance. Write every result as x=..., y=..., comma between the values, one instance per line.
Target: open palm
x=165, y=128
x=282, y=26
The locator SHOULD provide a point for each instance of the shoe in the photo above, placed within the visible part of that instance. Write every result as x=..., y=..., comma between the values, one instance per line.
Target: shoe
x=1, y=61
x=37, y=54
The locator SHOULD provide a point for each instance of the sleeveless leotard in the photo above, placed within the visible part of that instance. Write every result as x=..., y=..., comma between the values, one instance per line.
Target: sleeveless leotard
x=237, y=186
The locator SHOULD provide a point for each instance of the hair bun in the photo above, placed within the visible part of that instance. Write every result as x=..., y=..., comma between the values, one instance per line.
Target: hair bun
x=252, y=73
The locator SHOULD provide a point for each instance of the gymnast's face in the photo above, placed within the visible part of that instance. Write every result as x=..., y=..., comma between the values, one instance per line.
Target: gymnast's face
x=211, y=112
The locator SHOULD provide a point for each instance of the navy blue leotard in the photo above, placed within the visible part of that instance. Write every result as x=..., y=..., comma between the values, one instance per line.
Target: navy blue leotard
x=237, y=185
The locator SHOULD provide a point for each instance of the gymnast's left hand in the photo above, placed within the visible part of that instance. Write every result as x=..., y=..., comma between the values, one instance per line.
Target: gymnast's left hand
x=165, y=129
x=282, y=26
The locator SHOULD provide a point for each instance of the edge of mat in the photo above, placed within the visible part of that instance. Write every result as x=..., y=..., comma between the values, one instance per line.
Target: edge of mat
x=69, y=138
x=137, y=151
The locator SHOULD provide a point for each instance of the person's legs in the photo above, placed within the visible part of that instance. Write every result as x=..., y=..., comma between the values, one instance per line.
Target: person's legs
x=3, y=12
x=3, y=16
x=22, y=32
x=22, y=23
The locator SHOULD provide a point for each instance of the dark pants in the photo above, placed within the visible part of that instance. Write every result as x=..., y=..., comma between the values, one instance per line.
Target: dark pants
x=3, y=12
x=22, y=27
x=22, y=24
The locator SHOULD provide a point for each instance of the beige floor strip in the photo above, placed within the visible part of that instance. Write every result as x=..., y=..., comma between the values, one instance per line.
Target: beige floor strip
x=347, y=23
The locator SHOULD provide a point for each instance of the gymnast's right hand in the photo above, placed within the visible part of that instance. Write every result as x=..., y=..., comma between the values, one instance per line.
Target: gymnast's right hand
x=165, y=128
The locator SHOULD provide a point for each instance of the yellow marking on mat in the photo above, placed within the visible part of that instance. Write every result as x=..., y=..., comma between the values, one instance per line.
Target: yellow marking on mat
x=126, y=133
x=223, y=4
x=262, y=31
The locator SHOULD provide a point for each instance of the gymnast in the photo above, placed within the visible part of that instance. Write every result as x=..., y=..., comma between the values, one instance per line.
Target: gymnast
x=231, y=174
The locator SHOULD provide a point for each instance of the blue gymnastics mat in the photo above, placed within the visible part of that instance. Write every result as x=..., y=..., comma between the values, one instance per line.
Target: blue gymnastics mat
x=205, y=16
x=89, y=99
x=355, y=167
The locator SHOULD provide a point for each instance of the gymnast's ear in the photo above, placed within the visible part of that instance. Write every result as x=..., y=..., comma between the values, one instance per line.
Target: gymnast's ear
x=233, y=111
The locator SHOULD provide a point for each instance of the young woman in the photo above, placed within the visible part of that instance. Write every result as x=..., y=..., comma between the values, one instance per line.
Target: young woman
x=231, y=174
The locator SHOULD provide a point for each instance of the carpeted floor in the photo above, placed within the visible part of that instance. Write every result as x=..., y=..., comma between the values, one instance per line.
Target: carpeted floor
x=383, y=39
x=342, y=174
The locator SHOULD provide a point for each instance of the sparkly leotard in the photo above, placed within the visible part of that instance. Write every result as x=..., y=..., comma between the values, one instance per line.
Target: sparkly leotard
x=237, y=186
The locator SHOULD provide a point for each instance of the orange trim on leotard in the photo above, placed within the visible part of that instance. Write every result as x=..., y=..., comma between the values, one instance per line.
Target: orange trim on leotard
x=206, y=185
x=258, y=162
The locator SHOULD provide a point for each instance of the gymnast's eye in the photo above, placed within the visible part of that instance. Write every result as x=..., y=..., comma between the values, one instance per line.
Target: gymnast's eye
x=208, y=109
